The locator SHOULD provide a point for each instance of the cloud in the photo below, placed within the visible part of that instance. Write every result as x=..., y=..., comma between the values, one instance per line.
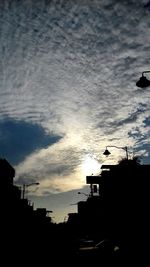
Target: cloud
x=56, y=168
x=71, y=67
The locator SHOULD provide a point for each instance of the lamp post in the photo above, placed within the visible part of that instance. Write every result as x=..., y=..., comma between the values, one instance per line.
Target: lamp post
x=143, y=81
x=107, y=152
x=27, y=185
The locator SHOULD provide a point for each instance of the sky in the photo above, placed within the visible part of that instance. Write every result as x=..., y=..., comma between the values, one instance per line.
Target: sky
x=68, y=73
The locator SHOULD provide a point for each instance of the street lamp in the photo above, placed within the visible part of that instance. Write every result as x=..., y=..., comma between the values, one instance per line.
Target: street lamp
x=27, y=185
x=107, y=152
x=143, y=81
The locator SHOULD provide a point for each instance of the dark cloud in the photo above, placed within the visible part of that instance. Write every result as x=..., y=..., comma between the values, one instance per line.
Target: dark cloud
x=147, y=5
x=18, y=139
x=132, y=117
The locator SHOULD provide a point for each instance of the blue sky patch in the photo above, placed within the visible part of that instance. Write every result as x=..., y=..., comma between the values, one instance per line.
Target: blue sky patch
x=19, y=139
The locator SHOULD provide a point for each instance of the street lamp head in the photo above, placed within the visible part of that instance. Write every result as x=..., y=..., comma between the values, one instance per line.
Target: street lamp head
x=143, y=81
x=106, y=152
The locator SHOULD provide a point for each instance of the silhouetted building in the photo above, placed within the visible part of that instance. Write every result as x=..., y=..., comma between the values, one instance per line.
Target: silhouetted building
x=126, y=198
x=7, y=172
x=119, y=209
x=10, y=193
x=73, y=218
x=17, y=214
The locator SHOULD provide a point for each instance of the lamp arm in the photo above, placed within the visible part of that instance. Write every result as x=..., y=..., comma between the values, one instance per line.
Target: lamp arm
x=147, y=71
x=124, y=148
x=121, y=147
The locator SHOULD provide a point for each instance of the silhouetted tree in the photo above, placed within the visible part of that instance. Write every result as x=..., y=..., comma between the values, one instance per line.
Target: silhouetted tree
x=131, y=162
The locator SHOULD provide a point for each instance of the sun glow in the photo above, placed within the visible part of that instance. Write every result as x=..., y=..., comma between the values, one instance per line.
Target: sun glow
x=90, y=166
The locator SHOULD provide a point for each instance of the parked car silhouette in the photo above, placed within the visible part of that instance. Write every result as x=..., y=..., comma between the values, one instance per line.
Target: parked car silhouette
x=104, y=248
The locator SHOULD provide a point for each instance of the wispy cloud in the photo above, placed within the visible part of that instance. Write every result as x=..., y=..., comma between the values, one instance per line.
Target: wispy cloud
x=71, y=67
